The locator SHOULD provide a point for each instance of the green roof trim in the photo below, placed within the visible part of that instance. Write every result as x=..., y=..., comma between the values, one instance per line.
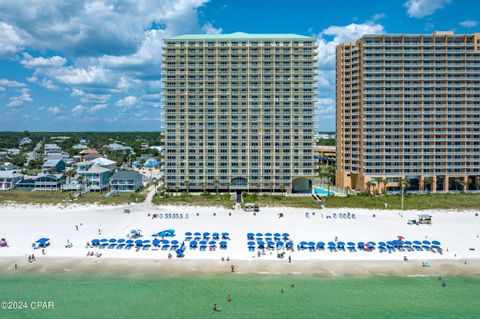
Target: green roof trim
x=239, y=36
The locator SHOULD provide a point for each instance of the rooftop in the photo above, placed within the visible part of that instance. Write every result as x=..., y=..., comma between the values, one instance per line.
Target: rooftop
x=127, y=175
x=237, y=35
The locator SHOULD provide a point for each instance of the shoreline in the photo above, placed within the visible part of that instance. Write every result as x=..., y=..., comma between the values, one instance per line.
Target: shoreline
x=204, y=267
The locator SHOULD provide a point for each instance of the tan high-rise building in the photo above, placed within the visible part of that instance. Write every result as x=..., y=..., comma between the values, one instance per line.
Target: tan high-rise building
x=408, y=106
x=239, y=111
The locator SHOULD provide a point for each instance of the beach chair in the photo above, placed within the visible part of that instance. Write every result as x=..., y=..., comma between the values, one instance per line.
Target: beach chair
x=120, y=246
x=128, y=247
x=111, y=246
x=165, y=247
x=146, y=247
x=203, y=247
x=103, y=246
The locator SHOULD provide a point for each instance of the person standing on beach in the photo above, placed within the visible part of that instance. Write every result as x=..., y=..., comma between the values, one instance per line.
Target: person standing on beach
x=99, y=231
x=289, y=259
x=16, y=266
x=76, y=227
x=229, y=299
x=233, y=268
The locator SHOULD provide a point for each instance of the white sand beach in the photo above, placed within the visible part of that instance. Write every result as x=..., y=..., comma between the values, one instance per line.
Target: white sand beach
x=22, y=225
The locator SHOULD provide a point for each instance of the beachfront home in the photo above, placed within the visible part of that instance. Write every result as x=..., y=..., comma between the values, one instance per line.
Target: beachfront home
x=114, y=147
x=126, y=181
x=95, y=178
x=53, y=166
x=104, y=162
x=8, y=179
x=52, y=148
x=89, y=154
x=41, y=182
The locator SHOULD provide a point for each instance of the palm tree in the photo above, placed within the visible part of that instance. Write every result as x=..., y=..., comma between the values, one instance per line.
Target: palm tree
x=427, y=183
x=404, y=184
x=257, y=186
x=271, y=186
x=476, y=182
x=379, y=181
x=284, y=189
x=217, y=183
x=186, y=182
x=204, y=187
x=228, y=186
x=177, y=188
x=369, y=186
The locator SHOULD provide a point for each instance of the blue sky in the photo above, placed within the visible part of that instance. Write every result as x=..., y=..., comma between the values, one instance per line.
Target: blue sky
x=95, y=65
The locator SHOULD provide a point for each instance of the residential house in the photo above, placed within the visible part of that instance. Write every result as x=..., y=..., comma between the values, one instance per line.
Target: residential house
x=7, y=166
x=53, y=166
x=12, y=151
x=41, y=182
x=25, y=140
x=80, y=147
x=144, y=146
x=95, y=178
x=52, y=148
x=126, y=181
x=89, y=154
x=104, y=162
x=114, y=147
x=8, y=179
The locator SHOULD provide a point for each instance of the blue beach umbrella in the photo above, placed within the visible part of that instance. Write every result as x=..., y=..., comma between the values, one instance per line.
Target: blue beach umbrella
x=225, y=234
x=340, y=244
x=174, y=242
x=250, y=235
x=311, y=244
x=198, y=234
x=259, y=234
x=113, y=240
x=286, y=235
x=156, y=242
x=351, y=243
x=268, y=234
x=303, y=243
x=193, y=243
x=321, y=244
x=223, y=243
x=289, y=243
x=417, y=242
x=426, y=242
x=260, y=243
x=129, y=241
x=206, y=234
x=103, y=240
x=146, y=241
x=270, y=243
x=203, y=242
x=277, y=235
x=121, y=240
x=381, y=244
x=139, y=242
x=215, y=234
x=251, y=243
x=279, y=243
x=155, y=235
x=371, y=243
x=391, y=243
x=331, y=244
x=95, y=241
x=361, y=244
x=212, y=242
x=407, y=243
x=165, y=241
x=436, y=243
x=188, y=233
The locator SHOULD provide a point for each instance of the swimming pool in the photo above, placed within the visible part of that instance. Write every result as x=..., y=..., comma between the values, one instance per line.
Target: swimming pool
x=322, y=192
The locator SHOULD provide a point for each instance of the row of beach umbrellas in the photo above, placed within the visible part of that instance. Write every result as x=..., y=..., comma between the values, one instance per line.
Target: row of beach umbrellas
x=207, y=234
x=277, y=235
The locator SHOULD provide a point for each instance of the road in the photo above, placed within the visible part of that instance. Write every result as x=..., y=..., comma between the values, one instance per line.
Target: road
x=33, y=154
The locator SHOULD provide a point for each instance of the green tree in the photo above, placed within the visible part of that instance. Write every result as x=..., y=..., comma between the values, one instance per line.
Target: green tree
x=428, y=183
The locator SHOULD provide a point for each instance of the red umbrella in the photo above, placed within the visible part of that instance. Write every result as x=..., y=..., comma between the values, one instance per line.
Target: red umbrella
x=400, y=237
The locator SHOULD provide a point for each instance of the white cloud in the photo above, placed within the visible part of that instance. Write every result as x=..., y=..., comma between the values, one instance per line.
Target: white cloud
x=54, y=110
x=97, y=108
x=21, y=99
x=210, y=29
x=422, y=8
x=9, y=83
x=85, y=97
x=127, y=102
x=10, y=39
x=31, y=62
x=78, y=109
x=468, y=23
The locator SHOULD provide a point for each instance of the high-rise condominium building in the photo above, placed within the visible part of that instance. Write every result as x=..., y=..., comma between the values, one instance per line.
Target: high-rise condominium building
x=408, y=108
x=239, y=111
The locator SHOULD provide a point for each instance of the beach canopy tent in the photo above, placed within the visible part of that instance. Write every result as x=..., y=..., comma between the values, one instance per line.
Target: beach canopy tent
x=42, y=243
